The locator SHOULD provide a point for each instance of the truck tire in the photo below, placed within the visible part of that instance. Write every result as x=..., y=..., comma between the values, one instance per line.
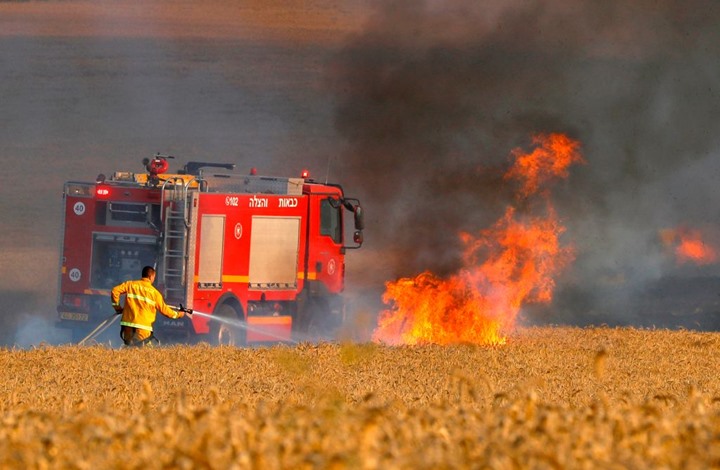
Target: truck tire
x=302, y=313
x=229, y=328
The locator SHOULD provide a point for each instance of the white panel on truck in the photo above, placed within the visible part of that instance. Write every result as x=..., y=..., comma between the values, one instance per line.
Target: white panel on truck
x=274, y=247
x=212, y=238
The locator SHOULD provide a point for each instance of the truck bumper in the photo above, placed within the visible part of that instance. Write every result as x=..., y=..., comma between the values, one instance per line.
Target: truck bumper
x=272, y=328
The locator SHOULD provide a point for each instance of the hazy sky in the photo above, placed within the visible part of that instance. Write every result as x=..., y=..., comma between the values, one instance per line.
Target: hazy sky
x=414, y=106
x=96, y=86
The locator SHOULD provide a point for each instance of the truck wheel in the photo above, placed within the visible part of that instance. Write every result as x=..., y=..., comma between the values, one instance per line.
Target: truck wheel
x=228, y=329
x=303, y=313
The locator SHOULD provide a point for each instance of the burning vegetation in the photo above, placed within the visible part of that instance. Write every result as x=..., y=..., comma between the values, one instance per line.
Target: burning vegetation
x=512, y=263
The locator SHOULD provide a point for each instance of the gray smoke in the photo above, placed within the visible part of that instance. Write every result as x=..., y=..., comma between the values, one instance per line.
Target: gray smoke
x=432, y=97
x=416, y=115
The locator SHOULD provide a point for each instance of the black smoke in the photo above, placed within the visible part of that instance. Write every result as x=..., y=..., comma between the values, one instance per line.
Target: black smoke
x=415, y=114
x=433, y=96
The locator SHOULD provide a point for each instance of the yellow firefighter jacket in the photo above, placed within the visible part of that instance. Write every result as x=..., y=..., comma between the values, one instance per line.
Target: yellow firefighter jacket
x=142, y=300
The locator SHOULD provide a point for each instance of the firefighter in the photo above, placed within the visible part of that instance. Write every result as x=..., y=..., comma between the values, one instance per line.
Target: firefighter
x=142, y=301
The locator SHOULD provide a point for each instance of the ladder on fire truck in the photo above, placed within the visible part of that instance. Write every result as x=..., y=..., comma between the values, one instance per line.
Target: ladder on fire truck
x=176, y=226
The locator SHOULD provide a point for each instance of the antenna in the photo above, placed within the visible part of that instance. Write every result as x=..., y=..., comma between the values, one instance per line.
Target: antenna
x=327, y=174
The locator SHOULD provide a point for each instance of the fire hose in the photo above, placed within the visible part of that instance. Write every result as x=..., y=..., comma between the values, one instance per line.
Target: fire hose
x=111, y=319
x=100, y=328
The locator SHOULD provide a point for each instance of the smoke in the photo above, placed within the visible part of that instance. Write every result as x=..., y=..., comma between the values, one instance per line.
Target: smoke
x=433, y=96
x=24, y=324
x=415, y=113
x=36, y=330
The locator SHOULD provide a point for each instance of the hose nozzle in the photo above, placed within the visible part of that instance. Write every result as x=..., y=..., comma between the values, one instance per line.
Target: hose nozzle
x=189, y=311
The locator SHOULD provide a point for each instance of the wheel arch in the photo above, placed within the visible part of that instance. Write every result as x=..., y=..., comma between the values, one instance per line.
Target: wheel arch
x=231, y=299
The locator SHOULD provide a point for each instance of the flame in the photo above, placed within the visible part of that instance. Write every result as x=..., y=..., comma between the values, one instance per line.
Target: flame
x=690, y=246
x=512, y=263
x=551, y=159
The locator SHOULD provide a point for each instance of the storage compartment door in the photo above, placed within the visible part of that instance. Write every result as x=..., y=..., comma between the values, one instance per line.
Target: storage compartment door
x=212, y=240
x=274, y=252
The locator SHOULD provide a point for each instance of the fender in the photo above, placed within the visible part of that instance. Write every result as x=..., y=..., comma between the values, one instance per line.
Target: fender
x=231, y=299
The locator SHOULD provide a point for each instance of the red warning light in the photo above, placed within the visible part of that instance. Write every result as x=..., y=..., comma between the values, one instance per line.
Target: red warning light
x=102, y=192
x=305, y=174
x=158, y=165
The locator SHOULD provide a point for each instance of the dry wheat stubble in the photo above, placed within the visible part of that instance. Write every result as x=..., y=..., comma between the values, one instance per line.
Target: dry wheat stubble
x=550, y=398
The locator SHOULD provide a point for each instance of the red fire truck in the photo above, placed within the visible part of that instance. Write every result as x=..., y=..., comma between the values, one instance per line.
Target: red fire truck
x=265, y=253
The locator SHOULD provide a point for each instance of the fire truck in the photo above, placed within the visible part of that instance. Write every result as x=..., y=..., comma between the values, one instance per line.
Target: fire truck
x=263, y=257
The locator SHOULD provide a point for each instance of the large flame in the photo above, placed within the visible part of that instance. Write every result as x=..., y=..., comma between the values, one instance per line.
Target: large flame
x=512, y=263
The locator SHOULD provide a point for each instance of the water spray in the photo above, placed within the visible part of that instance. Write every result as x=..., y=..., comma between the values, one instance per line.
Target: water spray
x=241, y=324
x=236, y=323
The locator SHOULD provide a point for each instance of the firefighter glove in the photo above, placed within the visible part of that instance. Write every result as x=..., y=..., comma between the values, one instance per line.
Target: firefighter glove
x=180, y=314
x=118, y=310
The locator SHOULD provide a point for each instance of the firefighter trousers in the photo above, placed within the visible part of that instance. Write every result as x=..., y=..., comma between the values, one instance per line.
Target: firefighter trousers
x=132, y=336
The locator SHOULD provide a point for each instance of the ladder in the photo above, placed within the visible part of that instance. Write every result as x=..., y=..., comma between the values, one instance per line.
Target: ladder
x=176, y=227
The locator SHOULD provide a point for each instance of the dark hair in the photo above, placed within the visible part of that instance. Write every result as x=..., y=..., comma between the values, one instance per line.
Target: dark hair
x=148, y=271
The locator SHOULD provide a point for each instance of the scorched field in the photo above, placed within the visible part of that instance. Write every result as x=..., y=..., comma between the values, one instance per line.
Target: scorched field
x=548, y=398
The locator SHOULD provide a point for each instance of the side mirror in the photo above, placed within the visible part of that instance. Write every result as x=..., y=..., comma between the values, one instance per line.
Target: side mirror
x=359, y=218
x=358, y=237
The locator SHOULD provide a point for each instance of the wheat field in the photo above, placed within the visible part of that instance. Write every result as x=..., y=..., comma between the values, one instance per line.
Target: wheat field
x=549, y=398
